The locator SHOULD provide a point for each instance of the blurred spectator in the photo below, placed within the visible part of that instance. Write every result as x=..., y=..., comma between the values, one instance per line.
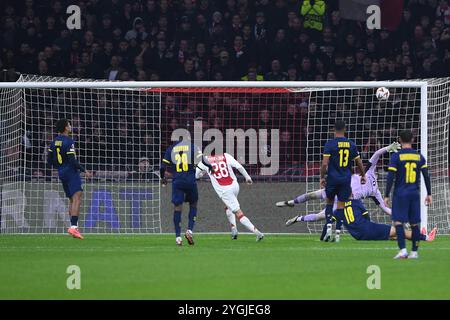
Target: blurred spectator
x=276, y=74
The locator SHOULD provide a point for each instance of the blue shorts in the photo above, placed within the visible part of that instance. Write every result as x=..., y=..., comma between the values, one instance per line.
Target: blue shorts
x=184, y=191
x=406, y=208
x=370, y=231
x=71, y=183
x=341, y=190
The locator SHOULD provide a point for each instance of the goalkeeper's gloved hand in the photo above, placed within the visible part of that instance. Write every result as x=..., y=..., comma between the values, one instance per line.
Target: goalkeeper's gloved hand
x=394, y=147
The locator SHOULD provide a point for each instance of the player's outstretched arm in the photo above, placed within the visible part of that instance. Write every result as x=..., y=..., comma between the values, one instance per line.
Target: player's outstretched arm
x=379, y=201
x=361, y=169
x=393, y=147
x=200, y=170
x=235, y=164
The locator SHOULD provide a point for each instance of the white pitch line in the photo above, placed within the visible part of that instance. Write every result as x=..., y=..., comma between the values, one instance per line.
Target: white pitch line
x=257, y=246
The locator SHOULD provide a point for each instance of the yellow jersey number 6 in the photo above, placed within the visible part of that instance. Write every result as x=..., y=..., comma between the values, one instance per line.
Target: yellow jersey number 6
x=343, y=157
x=58, y=155
x=410, y=172
x=182, y=162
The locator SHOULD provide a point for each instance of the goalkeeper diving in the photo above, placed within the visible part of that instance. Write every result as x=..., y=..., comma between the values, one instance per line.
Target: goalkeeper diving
x=360, y=191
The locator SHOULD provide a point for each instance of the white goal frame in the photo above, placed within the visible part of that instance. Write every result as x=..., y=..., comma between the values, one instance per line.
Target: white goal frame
x=299, y=85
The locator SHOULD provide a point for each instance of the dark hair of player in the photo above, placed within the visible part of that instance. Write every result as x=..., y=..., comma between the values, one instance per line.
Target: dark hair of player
x=61, y=125
x=406, y=136
x=339, y=125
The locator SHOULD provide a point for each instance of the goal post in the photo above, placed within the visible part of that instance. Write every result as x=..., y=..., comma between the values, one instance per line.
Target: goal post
x=121, y=123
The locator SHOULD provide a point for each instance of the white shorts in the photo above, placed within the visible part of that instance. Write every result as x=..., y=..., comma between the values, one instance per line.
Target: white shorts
x=229, y=195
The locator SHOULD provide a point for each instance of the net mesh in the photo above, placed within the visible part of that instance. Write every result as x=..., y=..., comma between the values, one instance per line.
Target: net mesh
x=277, y=134
x=116, y=134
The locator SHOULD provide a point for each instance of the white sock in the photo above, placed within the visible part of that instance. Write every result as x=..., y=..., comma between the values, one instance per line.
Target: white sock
x=73, y=227
x=246, y=222
x=404, y=251
x=231, y=218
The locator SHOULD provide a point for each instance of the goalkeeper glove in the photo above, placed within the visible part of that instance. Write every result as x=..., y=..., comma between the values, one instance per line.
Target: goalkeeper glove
x=394, y=147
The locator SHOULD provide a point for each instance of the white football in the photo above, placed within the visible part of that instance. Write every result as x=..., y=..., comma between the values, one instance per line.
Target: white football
x=382, y=93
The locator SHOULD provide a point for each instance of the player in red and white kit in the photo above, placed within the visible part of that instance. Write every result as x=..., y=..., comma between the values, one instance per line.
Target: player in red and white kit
x=226, y=186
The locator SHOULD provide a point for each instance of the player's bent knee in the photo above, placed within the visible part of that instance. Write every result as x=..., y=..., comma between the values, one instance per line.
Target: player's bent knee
x=239, y=214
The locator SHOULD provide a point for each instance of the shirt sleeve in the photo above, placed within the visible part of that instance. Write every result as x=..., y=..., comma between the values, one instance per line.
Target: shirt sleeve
x=327, y=149
x=232, y=161
x=363, y=209
x=354, y=151
x=423, y=162
x=50, y=156
x=393, y=163
x=167, y=159
x=197, y=154
x=71, y=148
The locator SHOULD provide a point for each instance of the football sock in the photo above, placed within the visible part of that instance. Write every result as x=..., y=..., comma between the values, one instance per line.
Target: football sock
x=246, y=223
x=339, y=224
x=74, y=221
x=308, y=217
x=415, y=237
x=192, y=217
x=177, y=222
x=308, y=196
x=324, y=231
x=424, y=237
x=231, y=218
x=329, y=212
x=400, y=236
x=300, y=199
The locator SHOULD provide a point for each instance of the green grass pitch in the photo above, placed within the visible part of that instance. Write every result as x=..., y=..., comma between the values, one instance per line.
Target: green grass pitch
x=279, y=267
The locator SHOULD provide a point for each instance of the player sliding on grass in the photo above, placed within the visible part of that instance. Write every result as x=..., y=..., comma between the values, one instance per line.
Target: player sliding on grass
x=227, y=188
x=356, y=220
x=61, y=155
x=339, y=153
x=360, y=191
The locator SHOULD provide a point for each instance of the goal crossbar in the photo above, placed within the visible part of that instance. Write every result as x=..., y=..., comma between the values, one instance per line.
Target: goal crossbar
x=209, y=84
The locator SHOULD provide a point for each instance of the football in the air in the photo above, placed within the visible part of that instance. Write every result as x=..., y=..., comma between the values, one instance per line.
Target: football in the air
x=382, y=93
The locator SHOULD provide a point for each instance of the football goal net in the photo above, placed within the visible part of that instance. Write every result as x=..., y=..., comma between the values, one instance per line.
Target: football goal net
x=275, y=129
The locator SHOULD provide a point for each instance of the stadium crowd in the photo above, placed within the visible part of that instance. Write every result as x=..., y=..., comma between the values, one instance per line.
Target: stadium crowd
x=279, y=40
x=282, y=40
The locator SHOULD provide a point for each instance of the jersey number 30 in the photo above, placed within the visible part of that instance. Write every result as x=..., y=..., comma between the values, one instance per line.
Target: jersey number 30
x=343, y=157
